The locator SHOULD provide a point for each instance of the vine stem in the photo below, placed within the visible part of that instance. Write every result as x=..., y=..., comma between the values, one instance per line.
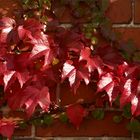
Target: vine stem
x=58, y=94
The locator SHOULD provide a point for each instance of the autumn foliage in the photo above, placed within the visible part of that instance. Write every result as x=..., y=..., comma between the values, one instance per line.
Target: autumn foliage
x=33, y=61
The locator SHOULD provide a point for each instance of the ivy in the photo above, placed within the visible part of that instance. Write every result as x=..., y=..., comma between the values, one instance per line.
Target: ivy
x=63, y=117
x=117, y=119
x=38, y=54
x=134, y=126
x=98, y=114
x=48, y=120
x=105, y=5
x=127, y=111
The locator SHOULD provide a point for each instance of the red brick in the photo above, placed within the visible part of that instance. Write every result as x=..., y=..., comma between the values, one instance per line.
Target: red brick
x=23, y=132
x=65, y=13
x=137, y=135
x=137, y=11
x=131, y=33
x=89, y=127
x=120, y=11
x=27, y=139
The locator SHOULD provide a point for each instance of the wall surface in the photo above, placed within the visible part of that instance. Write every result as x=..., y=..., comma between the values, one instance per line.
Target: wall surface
x=125, y=15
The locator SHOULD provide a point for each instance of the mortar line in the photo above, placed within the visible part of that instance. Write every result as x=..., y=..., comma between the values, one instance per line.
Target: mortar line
x=115, y=25
x=132, y=136
x=133, y=11
x=89, y=138
x=33, y=131
x=126, y=25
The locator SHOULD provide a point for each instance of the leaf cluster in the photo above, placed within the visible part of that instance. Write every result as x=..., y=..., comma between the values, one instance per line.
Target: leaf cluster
x=37, y=54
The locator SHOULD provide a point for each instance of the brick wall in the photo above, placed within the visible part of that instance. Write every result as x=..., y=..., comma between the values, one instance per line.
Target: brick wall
x=125, y=15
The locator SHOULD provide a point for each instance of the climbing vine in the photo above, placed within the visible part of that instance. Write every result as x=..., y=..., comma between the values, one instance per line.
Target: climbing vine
x=39, y=53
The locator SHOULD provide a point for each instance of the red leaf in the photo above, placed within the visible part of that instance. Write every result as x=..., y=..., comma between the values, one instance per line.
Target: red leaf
x=41, y=48
x=40, y=97
x=3, y=50
x=30, y=97
x=70, y=40
x=2, y=68
x=108, y=83
x=17, y=62
x=131, y=89
x=22, y=32
x=66, y=41
x=75, y=73
x=10, y=77
x=126, y=94
x=131, y=95
x=92, y=62
x=6, y=26
x=7, y=128
x=15, y=68
x=135, y=106
x=33, y=26
x=76, y=113
x=110, y=55
x=7, y=23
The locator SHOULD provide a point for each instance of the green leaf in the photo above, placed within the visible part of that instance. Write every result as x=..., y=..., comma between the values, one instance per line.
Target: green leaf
x=134, y=126
x=117, y=101
x=128, y=49
x=23, y=125
x=98, y=114
x=1, y=137
x=117, y=119
x=25, y=1
x=48, y=2
x=136, y=56
x=127, y=111
x=63, y=117
x=62, y=2
x=106, y=30
x=44, y=19
x=88, y=35
x=40, y=3
x=105, y=5
x=37, y=122
x=48, y=119
x=94, y=40
x=98, y=18
x=79, y=12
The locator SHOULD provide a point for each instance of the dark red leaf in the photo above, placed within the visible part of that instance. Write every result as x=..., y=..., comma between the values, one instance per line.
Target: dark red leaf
x=76, y=114
x=110, y=55
x=30, y=97
x=7, y=128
